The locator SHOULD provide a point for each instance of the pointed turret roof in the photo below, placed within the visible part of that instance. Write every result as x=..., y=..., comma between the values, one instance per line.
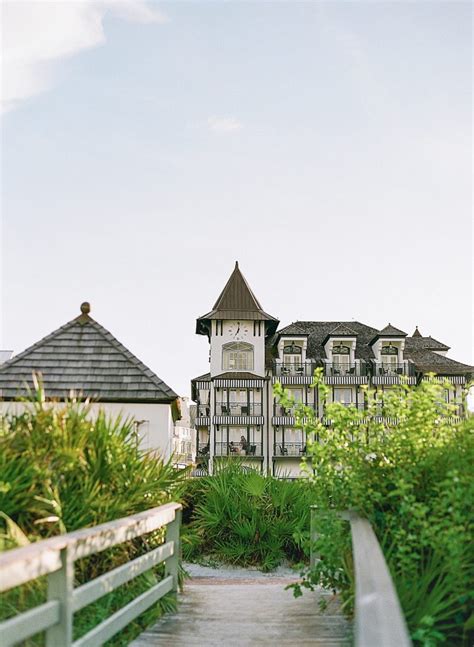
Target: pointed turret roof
x=84, y=357
x=417, y=333
x=236, y=301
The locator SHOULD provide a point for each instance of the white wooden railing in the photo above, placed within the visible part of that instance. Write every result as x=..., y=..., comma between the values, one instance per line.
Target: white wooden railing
x=55, y=558
x=379, y=619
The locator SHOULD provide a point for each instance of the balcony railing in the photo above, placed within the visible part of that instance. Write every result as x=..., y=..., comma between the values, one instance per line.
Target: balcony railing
x=289, y=449
x=304, y=369
x=238, y=409
x=358, y=405
x=393, y=369
x=280, y=410
x=203, y=410
x=203, y=450
x=236, y=449
x=345, y=368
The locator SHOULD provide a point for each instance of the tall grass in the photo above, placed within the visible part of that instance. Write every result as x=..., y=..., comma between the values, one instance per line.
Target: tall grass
x=61, y=470
x=244, y=518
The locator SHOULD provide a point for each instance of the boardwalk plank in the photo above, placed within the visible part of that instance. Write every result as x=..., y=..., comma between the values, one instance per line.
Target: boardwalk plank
x=242, y=613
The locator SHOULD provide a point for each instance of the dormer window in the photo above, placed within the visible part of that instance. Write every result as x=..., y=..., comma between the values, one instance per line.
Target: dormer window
x=292, y=355
x=237, y=356
x=341, y=358
x=389, y=356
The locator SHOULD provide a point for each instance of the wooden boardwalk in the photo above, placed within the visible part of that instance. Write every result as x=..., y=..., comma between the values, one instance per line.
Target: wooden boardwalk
x=254, y=611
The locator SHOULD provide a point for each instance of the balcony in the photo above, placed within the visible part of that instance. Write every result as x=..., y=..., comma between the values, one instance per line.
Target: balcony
x=235, y=449
x=345, y=368
x=356, y=405
x=389, y=369
x=304, y=369
x=280, y=410
x=289, y=449
x=238, y=409
x=203, y=410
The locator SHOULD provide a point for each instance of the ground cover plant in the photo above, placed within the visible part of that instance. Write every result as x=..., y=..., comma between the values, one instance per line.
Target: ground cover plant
x=61, y=470
x=240, y=517
x=414, y=481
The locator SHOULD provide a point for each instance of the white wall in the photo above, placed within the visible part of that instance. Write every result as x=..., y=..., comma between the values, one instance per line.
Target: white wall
x=217, y=342
x=155, y=432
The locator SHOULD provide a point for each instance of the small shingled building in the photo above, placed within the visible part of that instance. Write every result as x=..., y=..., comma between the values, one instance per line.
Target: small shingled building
x=83, y=358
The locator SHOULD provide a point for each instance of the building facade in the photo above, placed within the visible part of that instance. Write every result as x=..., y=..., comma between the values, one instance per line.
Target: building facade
x=236, y=412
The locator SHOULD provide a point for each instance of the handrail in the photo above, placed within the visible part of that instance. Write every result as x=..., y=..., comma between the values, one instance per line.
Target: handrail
x=379, y=619
x=55, y=558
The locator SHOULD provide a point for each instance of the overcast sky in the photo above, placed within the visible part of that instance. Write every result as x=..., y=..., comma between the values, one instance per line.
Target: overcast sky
x=147, y=146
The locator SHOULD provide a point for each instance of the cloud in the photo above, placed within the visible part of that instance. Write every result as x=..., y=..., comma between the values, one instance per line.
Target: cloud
x=224, y=124
x=37, y=35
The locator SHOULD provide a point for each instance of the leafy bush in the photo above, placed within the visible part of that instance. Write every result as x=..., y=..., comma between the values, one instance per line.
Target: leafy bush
x=241, y=517
x=414, y=481
x=61, y=470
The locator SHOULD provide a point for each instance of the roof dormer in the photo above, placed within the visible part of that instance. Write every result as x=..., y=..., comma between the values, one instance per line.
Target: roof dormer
x=341, y=342
x=388, y=345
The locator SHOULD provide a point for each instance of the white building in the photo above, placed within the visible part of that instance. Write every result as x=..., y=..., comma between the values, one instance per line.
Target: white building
x=184, y=436
x=237, y=415
x=85, y=358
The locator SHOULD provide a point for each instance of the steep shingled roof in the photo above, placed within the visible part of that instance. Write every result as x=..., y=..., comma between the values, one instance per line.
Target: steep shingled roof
x=84, y=357
x=427, y=361
x=318, y=332
x=236, y=301
x=417, y=342
x=419, y=349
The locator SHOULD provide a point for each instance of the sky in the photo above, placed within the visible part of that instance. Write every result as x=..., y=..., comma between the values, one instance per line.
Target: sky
x=147, y=146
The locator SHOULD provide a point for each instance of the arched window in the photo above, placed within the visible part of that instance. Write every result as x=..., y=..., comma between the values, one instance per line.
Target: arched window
x=390, y=350
x=237, y=356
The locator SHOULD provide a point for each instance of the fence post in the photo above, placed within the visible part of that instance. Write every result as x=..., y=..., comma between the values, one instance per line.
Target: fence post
x=60, y=587
x=313, y=536
x=172, y=563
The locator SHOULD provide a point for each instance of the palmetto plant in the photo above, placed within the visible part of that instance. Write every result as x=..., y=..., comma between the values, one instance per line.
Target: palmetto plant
x=242, y=517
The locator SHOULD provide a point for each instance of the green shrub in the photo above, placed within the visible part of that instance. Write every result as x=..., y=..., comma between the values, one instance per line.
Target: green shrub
x=61, y=470
x=241, y=517
x=414, y=482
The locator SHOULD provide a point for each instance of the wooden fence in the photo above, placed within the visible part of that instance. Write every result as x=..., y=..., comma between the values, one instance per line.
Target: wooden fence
x=379, y=620
x=55, y=558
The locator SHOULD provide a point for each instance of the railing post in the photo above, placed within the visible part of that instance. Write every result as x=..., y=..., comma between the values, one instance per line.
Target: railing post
x=60, y=587
x=313, y=536
x=172, y=563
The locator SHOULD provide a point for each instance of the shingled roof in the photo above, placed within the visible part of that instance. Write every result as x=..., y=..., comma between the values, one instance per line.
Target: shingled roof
x=419, y=349
x=390, y=331
x=236, y=301
x=427, y=361
x=417, y=342
x=84, y=357
x=319, y=331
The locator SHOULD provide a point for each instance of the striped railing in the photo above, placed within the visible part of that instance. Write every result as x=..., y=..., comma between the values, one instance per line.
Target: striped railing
x=379, y=618
x=55, y=558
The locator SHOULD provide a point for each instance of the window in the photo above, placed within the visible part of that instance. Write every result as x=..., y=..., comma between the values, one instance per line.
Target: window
x=341, y=359
x=237, y=356
x=344, y=396
x=389, y=355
